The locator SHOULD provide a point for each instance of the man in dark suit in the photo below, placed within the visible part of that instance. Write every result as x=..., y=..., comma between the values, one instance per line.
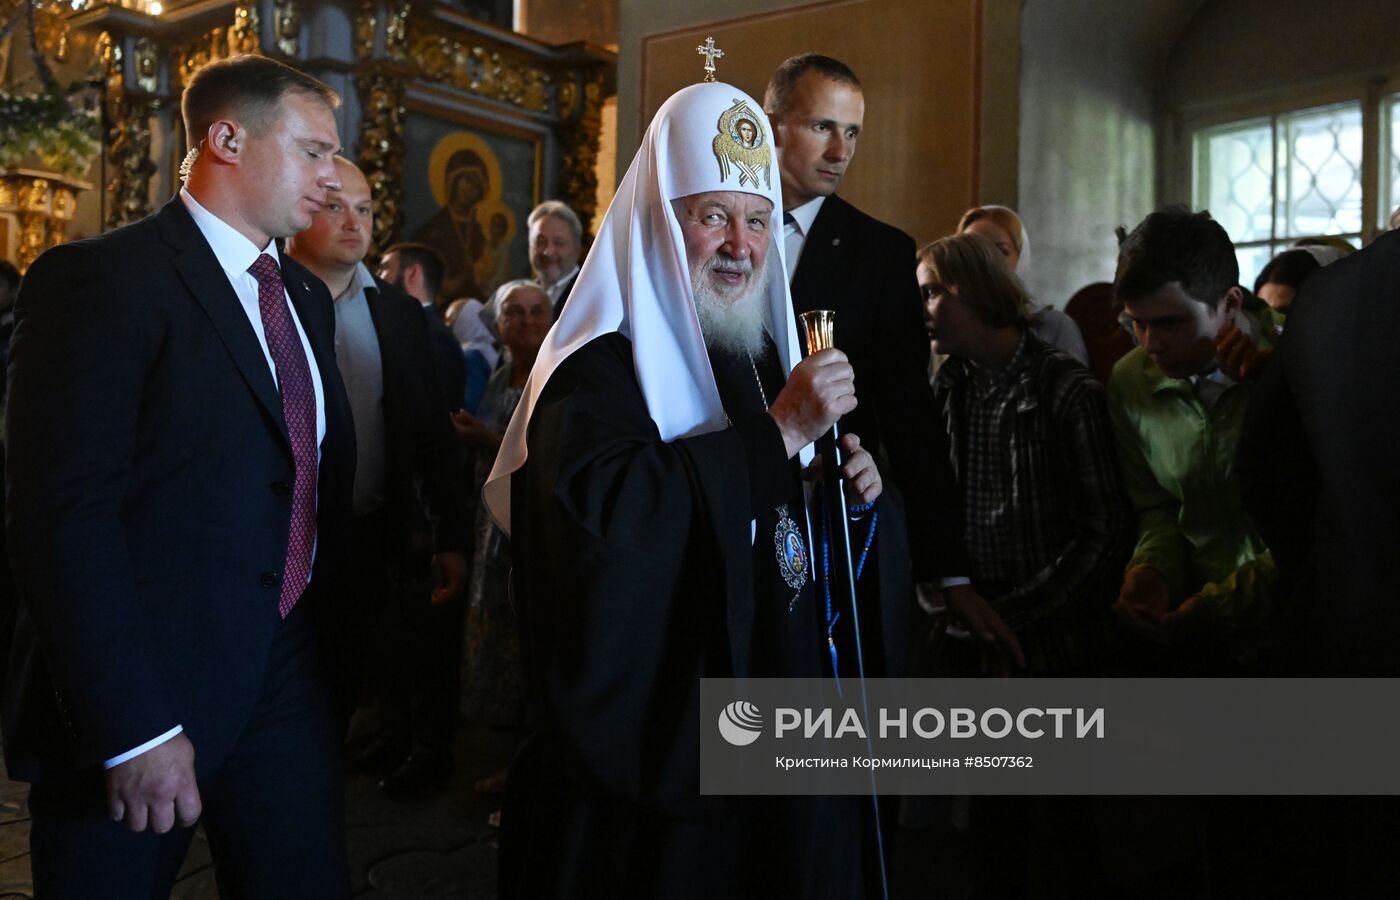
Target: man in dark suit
x=1316, y=462
x=841, y=259
x=406, y=451
x=417, y=270
x=556, y=241
x=419, y=693
x=181, y=455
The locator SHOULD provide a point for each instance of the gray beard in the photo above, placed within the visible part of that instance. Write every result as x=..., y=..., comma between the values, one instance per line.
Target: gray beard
x=735, y=326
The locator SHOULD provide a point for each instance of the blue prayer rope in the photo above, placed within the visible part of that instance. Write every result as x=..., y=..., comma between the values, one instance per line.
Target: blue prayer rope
x=826, y=581
x=830, y=619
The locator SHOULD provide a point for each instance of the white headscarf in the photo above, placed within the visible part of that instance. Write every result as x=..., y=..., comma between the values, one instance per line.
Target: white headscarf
x=636, y=279
x=473, y=334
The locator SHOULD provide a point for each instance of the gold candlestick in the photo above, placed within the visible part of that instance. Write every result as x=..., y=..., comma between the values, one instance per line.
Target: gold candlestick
x=818, y=329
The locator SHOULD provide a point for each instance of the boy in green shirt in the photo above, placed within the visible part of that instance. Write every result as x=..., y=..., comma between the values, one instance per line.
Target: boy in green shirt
x=1199, y=568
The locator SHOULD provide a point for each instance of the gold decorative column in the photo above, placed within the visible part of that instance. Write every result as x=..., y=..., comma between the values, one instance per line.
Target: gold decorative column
x=381, y=88
x=243, y=34
x=129, y=163
x=396, y=30
x=381, y=152
x=43, y=203
x=215, y=44
x=583, y=115
x=286, y=26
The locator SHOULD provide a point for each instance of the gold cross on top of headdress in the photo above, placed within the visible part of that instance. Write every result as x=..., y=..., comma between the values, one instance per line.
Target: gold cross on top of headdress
x=711, y=53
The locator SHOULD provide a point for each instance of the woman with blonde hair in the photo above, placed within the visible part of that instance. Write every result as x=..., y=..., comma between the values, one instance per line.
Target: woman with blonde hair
x=1001, y=226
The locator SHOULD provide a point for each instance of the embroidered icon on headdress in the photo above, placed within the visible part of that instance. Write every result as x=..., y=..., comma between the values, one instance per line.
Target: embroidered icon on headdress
x=743, y=143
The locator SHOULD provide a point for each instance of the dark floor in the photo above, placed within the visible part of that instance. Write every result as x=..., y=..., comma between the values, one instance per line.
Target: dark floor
x=444, y=847
x=437, y=848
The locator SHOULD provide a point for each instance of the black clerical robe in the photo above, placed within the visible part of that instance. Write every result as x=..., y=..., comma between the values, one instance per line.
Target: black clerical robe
x=636, y=575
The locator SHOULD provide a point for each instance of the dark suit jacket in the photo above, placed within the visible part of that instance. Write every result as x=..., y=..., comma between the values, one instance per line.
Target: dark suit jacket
x=564, y=294
x=423, y=467
x=864, y=270
x=150, y=497
x=1318, y=462
x=449, y=363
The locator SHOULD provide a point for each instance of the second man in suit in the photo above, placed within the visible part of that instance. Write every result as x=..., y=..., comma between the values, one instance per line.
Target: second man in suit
x=418, y=271
x=404, y=436
x=841, y=259
x=556, y=243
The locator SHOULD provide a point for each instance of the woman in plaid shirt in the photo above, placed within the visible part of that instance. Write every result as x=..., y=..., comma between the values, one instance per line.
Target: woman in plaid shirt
x=1045, y=516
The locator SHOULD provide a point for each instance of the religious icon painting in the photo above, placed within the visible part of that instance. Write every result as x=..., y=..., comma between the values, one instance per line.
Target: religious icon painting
x=467, y=193
x=790, y=550
x=742, y=143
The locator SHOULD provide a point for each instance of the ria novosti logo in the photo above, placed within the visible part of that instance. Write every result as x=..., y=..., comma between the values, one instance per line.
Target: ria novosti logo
x=740, y=723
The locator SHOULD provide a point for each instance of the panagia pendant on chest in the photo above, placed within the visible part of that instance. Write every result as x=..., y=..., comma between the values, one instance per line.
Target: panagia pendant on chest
x=790, y=550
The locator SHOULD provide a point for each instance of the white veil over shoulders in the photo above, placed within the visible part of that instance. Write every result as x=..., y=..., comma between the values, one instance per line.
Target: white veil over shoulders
x=636, y=280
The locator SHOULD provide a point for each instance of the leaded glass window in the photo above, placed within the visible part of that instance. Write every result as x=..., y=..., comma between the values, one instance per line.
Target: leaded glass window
x=1270, y=182
x=1235, y=179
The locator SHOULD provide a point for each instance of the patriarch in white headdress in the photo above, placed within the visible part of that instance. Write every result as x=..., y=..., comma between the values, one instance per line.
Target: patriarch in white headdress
x=637, y=279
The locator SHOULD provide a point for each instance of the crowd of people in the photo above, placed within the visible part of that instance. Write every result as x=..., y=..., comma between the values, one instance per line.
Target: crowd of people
x=277, y=509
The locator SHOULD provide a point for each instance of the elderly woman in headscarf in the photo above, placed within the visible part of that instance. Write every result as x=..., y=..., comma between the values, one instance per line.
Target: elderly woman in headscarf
x=1001, y=226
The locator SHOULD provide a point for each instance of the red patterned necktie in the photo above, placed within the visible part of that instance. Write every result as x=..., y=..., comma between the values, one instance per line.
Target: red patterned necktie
x=299, y=412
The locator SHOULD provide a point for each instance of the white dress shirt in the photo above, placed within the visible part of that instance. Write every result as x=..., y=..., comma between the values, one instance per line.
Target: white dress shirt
x=235, y=254
x=554, y=290
x=795, y=232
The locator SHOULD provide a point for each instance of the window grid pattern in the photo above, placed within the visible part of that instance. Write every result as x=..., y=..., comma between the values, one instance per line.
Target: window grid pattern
x=1238, y=183
x=1272, y=181
x=1320, y=151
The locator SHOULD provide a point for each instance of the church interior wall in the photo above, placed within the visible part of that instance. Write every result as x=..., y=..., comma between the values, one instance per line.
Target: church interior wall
x=1000, y=77
x=917, y=164
x=1238, y=49
x=566, y=21
x=1088, y=132
x=639, y=18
